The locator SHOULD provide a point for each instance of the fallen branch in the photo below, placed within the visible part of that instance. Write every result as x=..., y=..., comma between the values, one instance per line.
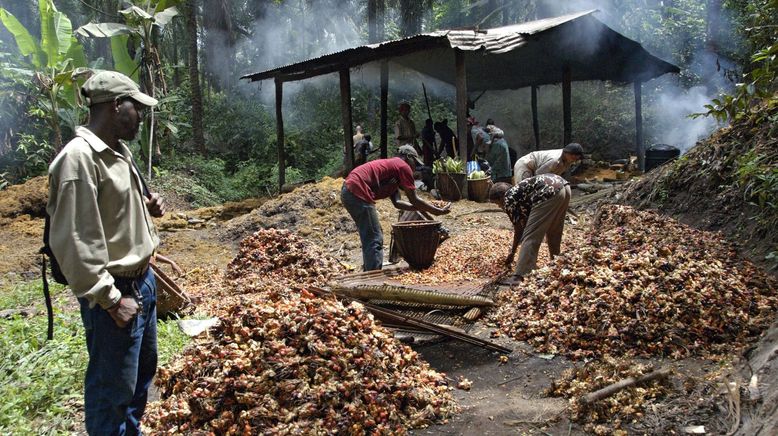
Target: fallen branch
x=609, y=390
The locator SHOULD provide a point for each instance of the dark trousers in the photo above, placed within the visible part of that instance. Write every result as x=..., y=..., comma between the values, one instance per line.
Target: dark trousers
x=366, y=218
x=122, y=361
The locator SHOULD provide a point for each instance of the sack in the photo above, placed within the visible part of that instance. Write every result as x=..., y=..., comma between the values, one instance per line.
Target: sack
x=56, y=271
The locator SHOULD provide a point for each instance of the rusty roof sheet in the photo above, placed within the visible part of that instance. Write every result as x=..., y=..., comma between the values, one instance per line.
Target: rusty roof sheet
x=510, y=57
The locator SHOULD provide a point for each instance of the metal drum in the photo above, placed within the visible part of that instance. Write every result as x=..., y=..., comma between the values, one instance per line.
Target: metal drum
x=658, y=154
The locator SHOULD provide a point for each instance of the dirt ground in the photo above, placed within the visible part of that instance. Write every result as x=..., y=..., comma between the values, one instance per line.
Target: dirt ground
x=505, y=397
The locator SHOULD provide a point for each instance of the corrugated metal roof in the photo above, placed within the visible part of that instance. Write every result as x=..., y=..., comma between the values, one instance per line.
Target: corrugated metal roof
x=510, y=57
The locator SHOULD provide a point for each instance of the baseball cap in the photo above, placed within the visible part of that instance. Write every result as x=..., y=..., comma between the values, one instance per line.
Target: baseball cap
x=574, y=148
x=112, y=85
x=408, y=150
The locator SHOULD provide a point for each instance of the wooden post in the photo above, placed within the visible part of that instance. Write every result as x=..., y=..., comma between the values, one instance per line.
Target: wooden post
x=535, y=123
x=639, y=125
x=384, y=109
x=345, y=111
x=567, y=80
x=280, y=134
x=461, y=84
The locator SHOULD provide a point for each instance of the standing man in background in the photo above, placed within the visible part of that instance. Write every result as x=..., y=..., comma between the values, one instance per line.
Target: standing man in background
x=404, y=129
x=103, y=239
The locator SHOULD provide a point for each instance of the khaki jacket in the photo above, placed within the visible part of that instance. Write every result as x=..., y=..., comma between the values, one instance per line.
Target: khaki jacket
x=99, y=222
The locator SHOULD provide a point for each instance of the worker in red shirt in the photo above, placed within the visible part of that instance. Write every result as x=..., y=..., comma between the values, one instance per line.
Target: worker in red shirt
x=373, y=181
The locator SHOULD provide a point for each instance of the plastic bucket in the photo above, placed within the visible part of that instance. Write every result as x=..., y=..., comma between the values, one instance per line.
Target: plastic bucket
x=417, y=241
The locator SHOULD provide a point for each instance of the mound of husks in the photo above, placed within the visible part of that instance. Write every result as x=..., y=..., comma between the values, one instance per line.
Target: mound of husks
x=643, y=284
x=284, y=361
x=607, y=415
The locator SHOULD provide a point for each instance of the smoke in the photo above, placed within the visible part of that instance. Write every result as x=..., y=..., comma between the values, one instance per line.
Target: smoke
x=291, y=32
x=670, y=98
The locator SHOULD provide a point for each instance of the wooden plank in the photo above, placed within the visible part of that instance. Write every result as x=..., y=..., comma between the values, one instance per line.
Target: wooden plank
x=384, y=109
x=395, y=318
x=280, y=134
x=567, y=80
x=535, y=123
x=461, y=86
x=639, y=126
x=345, y=110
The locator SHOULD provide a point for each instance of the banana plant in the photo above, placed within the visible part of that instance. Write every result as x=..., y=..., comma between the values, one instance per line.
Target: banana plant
x=142, y=23
x=53, y=61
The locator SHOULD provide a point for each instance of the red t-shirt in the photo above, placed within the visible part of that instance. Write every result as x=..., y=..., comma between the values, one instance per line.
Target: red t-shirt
x=379, y=179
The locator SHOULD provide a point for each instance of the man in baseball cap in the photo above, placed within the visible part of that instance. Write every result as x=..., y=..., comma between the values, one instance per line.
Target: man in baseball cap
x=103, y=238
x=107, y=86
x=407, y=151
x=377, y=179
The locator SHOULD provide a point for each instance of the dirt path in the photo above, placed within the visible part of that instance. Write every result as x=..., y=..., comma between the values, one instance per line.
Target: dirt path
x=505, y=397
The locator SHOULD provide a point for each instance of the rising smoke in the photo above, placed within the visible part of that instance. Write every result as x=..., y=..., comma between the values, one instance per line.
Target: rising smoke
x=294, y=31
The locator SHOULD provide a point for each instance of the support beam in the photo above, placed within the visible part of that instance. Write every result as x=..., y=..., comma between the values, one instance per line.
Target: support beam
x=461, y=84
x=639, y=125
x=384, y=109
x=535, y=123
x=567, y=81
x=345, y=111
x=280, y=134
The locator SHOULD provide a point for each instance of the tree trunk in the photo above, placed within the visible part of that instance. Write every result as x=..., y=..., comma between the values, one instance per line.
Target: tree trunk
x=194, y=77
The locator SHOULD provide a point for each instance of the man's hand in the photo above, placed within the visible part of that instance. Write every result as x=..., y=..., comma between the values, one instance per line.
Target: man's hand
x=156, y=205
x=124, y=311
x=443, y=210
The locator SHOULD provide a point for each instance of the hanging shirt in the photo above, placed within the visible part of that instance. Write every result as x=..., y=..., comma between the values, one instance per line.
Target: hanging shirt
x=380, y=178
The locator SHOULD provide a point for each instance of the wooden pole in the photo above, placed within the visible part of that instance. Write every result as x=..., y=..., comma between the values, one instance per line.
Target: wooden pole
x=639, y=125
x=535, y=123
x=345, y=110
x=280, y=134
x=567, y=80
x=461, y=84
x=623, y=384
x=384, y=109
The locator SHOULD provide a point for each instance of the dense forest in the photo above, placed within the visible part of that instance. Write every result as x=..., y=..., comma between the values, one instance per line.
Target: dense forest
x=218, y=131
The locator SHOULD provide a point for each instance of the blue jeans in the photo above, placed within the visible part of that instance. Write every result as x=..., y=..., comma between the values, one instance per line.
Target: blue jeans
x=366, y=218
x=122, y=362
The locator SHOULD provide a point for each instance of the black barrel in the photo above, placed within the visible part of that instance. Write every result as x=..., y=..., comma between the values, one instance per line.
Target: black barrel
x=658, y=154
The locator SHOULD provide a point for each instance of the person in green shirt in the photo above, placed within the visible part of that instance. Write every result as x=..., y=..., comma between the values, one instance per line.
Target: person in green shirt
x=499, y=157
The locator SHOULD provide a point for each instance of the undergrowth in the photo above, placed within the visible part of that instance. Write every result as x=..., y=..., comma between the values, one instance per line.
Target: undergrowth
x=41, y=382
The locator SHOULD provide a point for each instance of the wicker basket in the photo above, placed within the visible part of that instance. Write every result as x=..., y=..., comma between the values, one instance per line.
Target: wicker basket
x=417, y=241
x=171, y=299
x=478, y=189
x=452, y=186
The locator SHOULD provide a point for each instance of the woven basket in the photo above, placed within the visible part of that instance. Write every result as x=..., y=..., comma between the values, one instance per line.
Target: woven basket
x=171, y=299
x=452, y=186
x=478, y=189
x=417, y=241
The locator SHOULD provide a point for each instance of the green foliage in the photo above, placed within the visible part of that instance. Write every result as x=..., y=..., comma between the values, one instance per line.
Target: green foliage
x=760, y=83
x=52, y=61
x=41, y=382
x=757, y=176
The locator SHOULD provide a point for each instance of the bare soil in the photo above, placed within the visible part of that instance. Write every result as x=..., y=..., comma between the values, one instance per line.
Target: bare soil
x=505, y=397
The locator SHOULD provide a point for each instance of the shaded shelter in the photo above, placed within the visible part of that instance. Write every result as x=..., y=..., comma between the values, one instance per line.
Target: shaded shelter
x=574, y=47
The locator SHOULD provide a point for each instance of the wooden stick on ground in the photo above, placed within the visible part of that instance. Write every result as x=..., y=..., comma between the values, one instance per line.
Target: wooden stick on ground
x=609, y=390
